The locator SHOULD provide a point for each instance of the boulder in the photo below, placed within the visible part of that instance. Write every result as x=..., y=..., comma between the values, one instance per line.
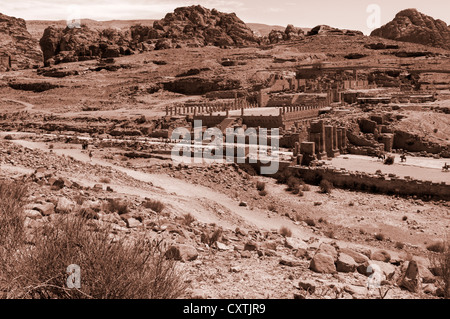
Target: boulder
x=182, y=252
x=328, y=249
x=45, y=209
x=250, y=246
x=345, y=263
x=323, y=263
x=357, y=257
x=411, y=279
x=381, y=255
x=290, y=261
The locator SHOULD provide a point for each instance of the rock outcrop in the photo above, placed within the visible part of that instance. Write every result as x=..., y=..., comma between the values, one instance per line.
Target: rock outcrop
x=327, y=30
x=198, y=26
x=18, y=50
x=78, y=44
x=291, y=33
x=411, y=25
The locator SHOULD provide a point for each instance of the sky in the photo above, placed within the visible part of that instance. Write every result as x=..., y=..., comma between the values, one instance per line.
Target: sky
x=348, y=14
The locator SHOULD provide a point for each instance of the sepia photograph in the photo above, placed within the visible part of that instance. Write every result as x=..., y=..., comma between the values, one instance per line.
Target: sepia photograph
x=223, y=155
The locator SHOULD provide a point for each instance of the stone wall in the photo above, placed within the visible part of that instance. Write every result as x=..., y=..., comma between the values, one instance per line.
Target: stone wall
x=373, y=183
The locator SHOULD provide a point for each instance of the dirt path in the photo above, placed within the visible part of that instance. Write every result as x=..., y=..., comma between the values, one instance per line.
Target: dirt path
x=183, y=194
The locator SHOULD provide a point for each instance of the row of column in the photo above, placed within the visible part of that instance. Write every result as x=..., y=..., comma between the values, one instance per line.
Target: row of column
x=207, y=108
x=290, y=109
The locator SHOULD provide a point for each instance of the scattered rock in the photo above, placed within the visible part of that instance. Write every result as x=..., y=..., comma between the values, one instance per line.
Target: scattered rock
x=323, y=263
x=345, y=263
x=182, y=252
x=381, y=255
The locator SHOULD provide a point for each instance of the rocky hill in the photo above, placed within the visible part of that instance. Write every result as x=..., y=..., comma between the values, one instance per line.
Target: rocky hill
x=78, y=44
x=199, y=26
x=411, y=25
x=17, y=47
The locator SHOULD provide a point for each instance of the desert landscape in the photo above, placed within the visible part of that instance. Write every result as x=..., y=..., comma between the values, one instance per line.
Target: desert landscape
x=357, y=125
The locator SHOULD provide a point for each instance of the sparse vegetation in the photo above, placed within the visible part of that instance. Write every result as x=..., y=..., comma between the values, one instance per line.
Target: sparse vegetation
x=437, y=247
x=105, y=180
x=188, y=219
x=285, y=232
x=399, y=245
x=12, y=201
x=325, y=186
x=155, y=205
x=260, y=186
x=440, y=263
x=272, y=208
x=116, y=205
x=110, y=270
x=210, y=239
x=379, y=236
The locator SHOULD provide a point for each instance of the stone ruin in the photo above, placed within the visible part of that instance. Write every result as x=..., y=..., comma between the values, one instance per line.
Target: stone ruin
x=324, y=141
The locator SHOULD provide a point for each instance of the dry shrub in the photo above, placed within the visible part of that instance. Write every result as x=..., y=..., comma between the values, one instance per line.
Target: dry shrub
x=272, y=208
x=117, y=206
x=155, y=205
x=121, y=269
x=379, y=236
x=294, y=183
x=440, y=264
x=325, y=186
x=262, y=193
x=306, y=188
x=285, y=232
x=188, y=219
x=437, y=247
x=105, y=180
x=210, y=239
x=12, y=201
x=399, y=245
x=260, y=186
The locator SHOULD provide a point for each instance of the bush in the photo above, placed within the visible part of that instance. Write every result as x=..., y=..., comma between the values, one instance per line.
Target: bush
x=441, y=264
x=210, y=239
x=399, y=245
x=404, y=218
x=293, y=183
x=437, y=247
x=9, y=137
x=329, y=234
x=306, y=188
x=389, y=160
x=272, y=208
x=325, y=186
x=188, y=219
x=105, y=180
x=12, y=201
x=117, y=206
x=154, y=205
x=262, y=193
x=260, y=186
x=379, y=237
x=285, y=232
x=109, y=270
